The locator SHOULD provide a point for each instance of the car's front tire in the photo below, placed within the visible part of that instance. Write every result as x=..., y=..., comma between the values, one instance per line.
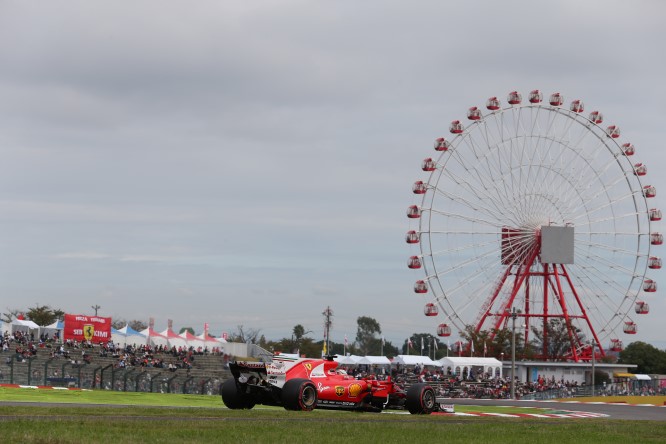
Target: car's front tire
x=299, y=394
x=421, y=399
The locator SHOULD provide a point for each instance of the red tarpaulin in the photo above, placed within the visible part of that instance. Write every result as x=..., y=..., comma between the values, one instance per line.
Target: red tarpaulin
x=87, y=328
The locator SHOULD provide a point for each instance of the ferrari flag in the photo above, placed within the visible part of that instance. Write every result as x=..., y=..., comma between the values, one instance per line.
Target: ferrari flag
x=87, y=328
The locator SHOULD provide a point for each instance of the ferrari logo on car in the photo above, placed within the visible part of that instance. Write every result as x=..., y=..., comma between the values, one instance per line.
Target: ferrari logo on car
x=339, y=390
x=308, y=366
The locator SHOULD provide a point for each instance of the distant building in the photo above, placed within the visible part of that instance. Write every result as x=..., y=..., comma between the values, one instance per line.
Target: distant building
x=574, y=372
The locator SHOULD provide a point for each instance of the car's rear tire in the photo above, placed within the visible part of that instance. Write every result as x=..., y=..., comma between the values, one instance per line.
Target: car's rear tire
x=233, y=397
x=299, y=394
x=421, y=399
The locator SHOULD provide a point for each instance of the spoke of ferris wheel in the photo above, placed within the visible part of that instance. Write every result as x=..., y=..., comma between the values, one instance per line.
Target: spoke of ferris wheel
x=589, y=155
x=493, y=147
x=477, y=153
x=566, y=131
x=448, y=297
x=496, y=180
x=499, y=195
x=465, y=247
x=538, y=156
x=508, y=154
x=527, y=152
x=594, y=277
x=584, y=220
x=572, y=188
x=603, y=205
x=468, y=184
x=584, y=234
x=612, y=248
x=619, y=217
x=462, y=264
x=528, y=137
x=604, y=190
x=569, y=193
x=482, y=155
x=458, y=216
x=475, y=206
x=612, y=265
x=597, y=173
x=521, y=252
x=567, y=165
x=594, y=261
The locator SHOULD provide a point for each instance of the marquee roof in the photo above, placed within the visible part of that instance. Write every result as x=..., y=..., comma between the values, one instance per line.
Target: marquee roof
x=415, y=360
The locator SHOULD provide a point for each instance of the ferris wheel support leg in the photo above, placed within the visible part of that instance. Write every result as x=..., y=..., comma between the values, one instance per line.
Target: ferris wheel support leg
x=522, y=274
x=489, y=303
x=544, y=345
x=584, y=313
x=565, y=314
x=526, y=311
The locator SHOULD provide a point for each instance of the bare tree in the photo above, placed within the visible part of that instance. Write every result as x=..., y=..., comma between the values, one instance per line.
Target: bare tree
x=244, y=335
x=10, y=315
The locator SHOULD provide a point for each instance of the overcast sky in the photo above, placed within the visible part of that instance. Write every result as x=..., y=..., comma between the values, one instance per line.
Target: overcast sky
x=250, y=162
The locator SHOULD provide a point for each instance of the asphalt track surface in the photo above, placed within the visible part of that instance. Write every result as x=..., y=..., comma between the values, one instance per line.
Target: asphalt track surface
x=613, y=411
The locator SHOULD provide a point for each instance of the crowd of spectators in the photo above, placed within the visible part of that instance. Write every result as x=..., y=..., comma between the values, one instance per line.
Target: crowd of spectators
x=488, y=386
x=25, y=346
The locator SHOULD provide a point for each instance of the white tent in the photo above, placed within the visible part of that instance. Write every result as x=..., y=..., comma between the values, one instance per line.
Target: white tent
x=416, y=360
x=464, y=365
x=117, y=337
x=24, y=326
x=193, y=341
x=51, y=329
x=374, y=360
x=128, y=336
x=155, y=339
x=345, y=360
x=174, y=339
x=214, y=342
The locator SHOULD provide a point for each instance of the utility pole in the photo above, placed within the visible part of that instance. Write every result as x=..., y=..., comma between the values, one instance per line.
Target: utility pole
x=328, y=314
x=513, y=352
x=95, y=307
x=593, y=362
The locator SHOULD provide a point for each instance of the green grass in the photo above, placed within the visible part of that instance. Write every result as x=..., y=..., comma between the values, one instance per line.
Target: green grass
x=108, y=397
x=171, y=400
x=159, y=418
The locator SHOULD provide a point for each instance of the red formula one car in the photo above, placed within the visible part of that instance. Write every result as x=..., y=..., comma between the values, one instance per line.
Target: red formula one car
x=305, y=384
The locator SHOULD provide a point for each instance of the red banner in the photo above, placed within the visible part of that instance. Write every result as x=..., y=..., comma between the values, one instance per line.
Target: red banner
x=87, y=328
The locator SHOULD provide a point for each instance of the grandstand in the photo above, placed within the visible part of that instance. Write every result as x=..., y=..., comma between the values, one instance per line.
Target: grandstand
x=93, y=370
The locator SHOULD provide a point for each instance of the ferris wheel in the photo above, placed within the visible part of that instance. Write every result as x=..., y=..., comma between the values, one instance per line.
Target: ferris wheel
x=535, y=210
